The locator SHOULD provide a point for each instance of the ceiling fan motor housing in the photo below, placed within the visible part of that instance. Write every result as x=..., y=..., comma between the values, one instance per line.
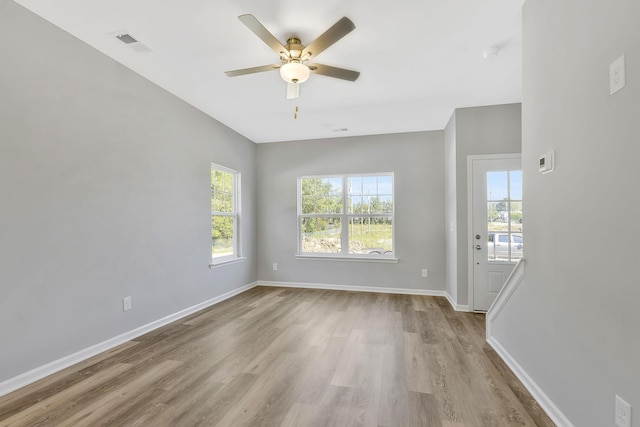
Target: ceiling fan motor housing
x=295, y=48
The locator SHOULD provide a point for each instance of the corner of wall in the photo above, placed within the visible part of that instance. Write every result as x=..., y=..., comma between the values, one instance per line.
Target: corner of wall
x=451, y=237
x=516, y=279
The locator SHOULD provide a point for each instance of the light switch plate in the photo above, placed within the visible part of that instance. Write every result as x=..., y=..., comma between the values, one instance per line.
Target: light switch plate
x=617, y=78
x=126, y=303
x=623, y=413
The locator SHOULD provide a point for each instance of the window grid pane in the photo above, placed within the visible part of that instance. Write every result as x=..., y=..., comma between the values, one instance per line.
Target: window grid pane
x=370, y=235
x=370, y=194
x=222, y=231
x=221, y=191
x=321, y=195
x=504, y=216
x=368, y=200
x=224, y=213
x=321, y=235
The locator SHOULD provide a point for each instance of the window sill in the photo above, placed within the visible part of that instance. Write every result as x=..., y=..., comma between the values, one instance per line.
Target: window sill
x=227, y=262
x=347, y=258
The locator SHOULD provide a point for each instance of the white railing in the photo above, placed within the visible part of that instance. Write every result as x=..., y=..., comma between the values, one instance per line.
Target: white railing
x=505, y=293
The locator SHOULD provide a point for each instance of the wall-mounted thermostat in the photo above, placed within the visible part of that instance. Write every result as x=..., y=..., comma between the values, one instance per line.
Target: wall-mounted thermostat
x=546, y=163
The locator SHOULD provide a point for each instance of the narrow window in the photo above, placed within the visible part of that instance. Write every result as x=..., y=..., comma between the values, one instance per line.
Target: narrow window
x=225, y=214
x=504, y=216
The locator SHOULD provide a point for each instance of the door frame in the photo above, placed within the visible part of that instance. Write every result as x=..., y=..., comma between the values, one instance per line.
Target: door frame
x=470, y=159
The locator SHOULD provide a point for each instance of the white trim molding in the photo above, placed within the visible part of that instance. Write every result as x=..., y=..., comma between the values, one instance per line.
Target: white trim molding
x=227, y=262
x=455, y=305
x=382, y=290
x=347, y=258
x=512, y=283
x=40, y=372
x=540, y=396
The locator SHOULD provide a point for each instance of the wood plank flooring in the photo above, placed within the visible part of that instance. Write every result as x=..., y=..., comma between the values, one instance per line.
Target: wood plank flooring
x=292, y=357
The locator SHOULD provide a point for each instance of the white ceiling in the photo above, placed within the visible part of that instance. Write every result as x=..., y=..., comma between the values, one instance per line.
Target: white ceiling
x=418, y=59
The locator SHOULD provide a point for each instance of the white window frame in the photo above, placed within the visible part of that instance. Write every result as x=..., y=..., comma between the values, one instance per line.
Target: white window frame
x=236, y=256
x=344, y=254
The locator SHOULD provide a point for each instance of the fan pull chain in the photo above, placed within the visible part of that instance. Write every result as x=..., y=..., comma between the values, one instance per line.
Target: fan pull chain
x=295, y=115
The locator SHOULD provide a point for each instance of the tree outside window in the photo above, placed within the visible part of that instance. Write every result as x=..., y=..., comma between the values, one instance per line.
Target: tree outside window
x=347, y=215
x=224, y=213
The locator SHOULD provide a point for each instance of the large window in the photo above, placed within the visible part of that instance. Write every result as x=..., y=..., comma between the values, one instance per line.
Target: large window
x=225, y=214
x=346, y=215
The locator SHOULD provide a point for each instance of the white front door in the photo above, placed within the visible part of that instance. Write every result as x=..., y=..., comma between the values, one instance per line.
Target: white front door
x=496, y=210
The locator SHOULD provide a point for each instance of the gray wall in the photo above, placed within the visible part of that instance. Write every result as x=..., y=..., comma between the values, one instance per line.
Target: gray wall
x=573, y=324
x=478, y=130
x=417, y=159
x=104, y=183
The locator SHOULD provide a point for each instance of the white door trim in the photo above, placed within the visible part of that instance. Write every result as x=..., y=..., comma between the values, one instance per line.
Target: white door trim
x=470, y=160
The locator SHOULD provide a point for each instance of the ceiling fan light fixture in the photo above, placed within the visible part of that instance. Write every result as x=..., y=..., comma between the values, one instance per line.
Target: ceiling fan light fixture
x=294, y=72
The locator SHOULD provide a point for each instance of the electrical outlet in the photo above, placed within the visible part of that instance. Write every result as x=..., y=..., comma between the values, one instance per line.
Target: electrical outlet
x=617, y=78
x=126, y=303
x=275, y=266
x=425, y=272
x=623, y=413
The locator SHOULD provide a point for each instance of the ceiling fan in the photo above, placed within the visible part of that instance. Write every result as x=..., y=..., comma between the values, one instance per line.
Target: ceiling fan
x=294, y=56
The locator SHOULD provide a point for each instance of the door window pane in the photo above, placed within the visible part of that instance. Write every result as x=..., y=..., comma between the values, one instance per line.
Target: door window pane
x=517, y=246
x=497, y=186
x=516, y=217
x=497, y=216
x=515, y=185
x=504, y=216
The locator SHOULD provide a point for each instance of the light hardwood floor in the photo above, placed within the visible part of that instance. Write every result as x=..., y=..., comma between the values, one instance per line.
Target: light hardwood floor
x=292, y=357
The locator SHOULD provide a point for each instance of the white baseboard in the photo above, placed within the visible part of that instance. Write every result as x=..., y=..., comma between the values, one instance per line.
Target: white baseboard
x=455, y=305
x=510, y=286
x=40, y=372
x=402, y=291
x=543, y=400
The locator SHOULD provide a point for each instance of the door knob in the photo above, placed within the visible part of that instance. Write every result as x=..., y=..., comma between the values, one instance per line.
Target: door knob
x=478, y=247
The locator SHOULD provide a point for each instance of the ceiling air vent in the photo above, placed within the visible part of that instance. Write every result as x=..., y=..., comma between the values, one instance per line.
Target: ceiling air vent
x=126, y=38
x=131, y=41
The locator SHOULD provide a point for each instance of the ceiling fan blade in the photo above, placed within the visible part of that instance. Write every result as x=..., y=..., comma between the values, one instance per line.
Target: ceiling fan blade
x=252, y=70
x=338, y=73
x=340, y=29
x=259, y=30
x=293, y=90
